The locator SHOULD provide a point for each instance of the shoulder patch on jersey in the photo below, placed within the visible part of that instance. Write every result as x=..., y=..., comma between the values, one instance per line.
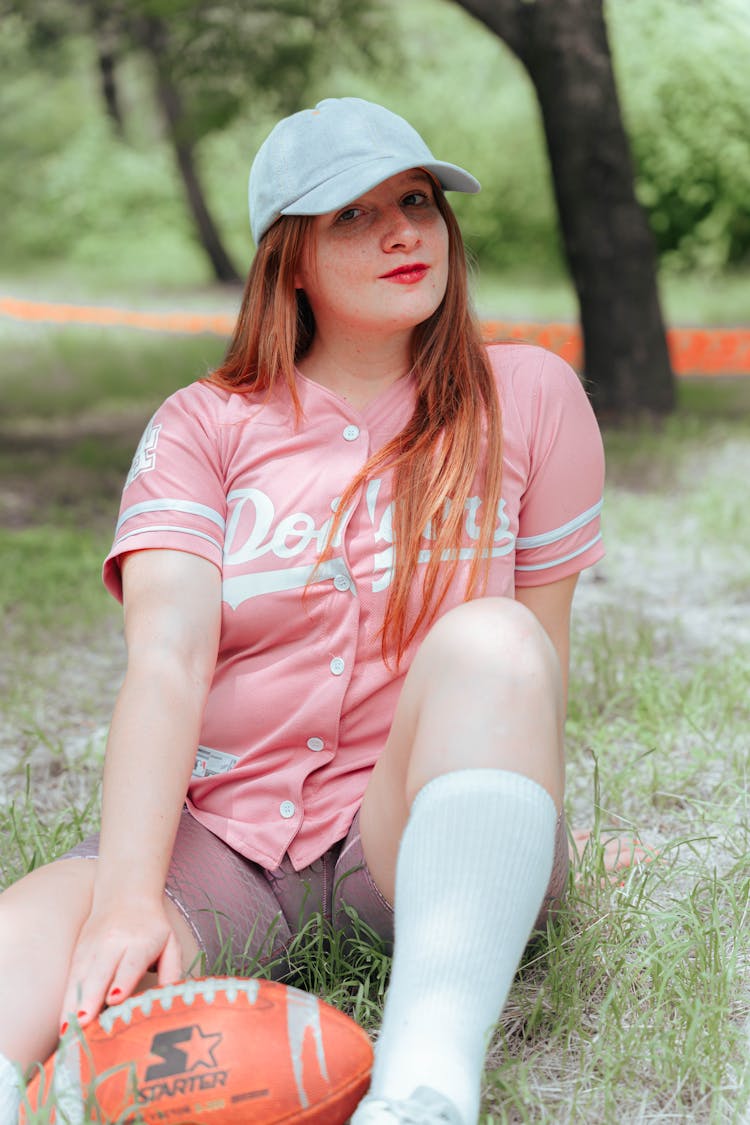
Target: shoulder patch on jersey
x=144, y=459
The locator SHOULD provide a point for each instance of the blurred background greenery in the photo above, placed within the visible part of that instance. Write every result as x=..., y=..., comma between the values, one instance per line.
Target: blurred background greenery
x=93, y=206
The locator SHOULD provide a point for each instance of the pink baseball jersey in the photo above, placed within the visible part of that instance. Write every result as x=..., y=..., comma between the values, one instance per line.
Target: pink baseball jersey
x=301, y=702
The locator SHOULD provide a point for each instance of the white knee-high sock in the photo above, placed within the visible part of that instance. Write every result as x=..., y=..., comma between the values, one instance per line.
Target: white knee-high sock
x=474, y=863
x=10, y=1096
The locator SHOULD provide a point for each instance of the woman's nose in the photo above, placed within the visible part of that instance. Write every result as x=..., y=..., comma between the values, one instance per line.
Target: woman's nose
x=400, y=231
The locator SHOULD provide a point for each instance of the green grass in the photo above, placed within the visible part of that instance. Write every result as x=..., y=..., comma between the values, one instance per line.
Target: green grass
x=88, y=369
x=631, y=1010
x=50, y=574
x=36, y=839
x=687, y=299
x=634, y=1007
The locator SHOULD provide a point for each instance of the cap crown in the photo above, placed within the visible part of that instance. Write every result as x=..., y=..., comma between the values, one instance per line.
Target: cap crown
x=323, y=158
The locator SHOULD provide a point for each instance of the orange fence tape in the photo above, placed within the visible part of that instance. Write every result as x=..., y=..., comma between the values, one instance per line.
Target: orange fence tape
x=220, y=324
x=693, y=351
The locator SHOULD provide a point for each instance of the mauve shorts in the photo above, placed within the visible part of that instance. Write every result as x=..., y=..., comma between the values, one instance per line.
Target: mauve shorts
x=244, y=917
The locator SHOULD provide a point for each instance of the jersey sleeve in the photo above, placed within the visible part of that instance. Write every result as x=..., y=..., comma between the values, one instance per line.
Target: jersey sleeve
x=560, y=510
x=174, y=495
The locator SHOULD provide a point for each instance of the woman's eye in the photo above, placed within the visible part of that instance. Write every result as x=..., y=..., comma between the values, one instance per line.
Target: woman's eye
x=416, y=199
x=348, y=215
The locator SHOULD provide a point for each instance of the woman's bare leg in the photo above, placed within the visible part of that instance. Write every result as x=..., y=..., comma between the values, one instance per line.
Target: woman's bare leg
x=484, y=691
x=458, y=827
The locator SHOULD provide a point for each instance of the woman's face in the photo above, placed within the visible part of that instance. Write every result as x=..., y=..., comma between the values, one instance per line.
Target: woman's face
x=380, y=264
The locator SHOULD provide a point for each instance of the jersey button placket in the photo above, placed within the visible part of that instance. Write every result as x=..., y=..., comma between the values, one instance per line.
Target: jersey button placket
x=339, y=665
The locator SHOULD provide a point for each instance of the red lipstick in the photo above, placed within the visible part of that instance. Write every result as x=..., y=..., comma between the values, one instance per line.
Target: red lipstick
x=407, y=274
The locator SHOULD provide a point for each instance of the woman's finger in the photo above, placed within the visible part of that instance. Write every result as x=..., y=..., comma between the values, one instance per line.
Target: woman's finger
x=88, y=981
x=170, y=962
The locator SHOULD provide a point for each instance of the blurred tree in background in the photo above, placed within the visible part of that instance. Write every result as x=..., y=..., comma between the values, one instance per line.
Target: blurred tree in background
x=206, y=60
x=564, y=46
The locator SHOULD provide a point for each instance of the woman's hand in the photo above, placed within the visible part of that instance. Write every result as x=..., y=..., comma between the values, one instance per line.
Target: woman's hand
x=116, y=947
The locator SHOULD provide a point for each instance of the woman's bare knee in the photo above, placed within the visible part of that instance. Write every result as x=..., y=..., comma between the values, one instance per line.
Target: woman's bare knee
x=492, y=637
x=488, y=695
x=484, y=691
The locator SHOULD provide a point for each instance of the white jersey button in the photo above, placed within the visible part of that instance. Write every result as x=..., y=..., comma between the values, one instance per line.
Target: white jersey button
x=287, y=809
x=315, y=743
x=337, y=665
x=351, y=433
x=341, y=582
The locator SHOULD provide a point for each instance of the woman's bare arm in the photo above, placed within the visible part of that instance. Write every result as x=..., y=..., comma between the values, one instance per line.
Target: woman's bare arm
x=172, y=617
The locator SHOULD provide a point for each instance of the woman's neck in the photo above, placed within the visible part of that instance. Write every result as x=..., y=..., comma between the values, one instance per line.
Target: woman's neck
x=358, y=370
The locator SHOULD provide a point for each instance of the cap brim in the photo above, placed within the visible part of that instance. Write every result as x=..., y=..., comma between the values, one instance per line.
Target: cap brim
x=351, y=184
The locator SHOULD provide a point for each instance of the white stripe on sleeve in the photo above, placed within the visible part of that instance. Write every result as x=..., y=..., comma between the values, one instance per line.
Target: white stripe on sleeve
x=172, y=505
x=161, y=527
x=528, y=542
x=563, y=558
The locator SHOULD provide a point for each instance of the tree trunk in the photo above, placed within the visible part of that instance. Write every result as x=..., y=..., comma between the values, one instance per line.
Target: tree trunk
x=563, y=45
x=151, y=36
x=106, y=28
x=108, y=84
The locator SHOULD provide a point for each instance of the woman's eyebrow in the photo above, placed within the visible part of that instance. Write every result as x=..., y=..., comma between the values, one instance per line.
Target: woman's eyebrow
x=420, y=178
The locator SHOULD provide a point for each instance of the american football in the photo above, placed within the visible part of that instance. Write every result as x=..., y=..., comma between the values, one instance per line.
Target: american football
x=221, y=1050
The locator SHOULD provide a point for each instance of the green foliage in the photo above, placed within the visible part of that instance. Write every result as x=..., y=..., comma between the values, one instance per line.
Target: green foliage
x=221, y=54
x=191, y=66
x=684, y=72
x=71, y=191
x=348, y=969
x=113, y=207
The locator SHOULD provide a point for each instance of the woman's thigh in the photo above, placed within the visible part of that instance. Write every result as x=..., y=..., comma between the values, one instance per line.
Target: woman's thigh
x=484, y=691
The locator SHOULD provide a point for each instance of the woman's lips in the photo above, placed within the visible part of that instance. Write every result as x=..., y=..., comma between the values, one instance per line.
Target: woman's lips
x=407, y=274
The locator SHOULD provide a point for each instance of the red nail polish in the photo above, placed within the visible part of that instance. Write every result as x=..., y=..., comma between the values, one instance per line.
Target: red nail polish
x=64, y=1027
x=81, y=1015
x=115, y=992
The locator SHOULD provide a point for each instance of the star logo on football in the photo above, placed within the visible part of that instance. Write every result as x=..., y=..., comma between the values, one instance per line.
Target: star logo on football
x=181, y=1050
x=199, y=1048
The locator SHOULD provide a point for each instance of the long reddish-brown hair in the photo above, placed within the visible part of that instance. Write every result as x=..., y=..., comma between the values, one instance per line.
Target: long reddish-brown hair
x=434, y=458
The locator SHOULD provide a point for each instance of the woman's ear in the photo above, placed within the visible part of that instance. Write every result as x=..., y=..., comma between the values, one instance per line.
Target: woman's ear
x=302, y=268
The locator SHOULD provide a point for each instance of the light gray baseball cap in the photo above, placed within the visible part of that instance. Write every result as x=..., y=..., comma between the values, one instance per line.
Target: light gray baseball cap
x=323, y=158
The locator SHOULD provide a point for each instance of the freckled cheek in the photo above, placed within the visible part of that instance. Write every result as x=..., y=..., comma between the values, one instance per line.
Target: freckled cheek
x=342, y=272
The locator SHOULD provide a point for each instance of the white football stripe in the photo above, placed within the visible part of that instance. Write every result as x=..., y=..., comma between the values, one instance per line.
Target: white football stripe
x=187, y=991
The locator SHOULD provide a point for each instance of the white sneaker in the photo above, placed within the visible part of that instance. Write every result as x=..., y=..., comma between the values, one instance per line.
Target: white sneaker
x=425, y=1107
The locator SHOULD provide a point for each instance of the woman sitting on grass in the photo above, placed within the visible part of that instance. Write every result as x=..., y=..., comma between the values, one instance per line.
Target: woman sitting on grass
x=347, y=561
